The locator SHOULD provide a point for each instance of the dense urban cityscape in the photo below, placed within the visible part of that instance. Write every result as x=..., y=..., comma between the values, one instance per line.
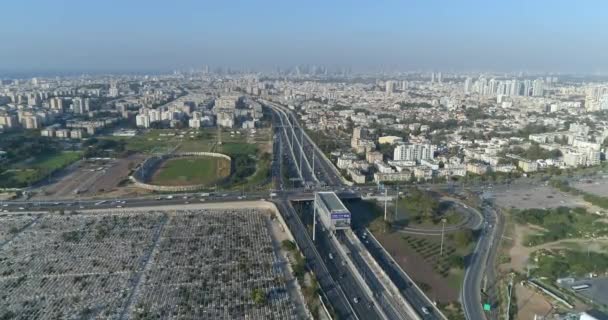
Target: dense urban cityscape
x=423, y=163
x=323, y=160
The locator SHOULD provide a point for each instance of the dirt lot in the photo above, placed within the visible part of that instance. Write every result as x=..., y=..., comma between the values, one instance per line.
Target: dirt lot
x=597, y=186
x=530, y=303
x=441, y=289
x=519, y=253
x=89, y=178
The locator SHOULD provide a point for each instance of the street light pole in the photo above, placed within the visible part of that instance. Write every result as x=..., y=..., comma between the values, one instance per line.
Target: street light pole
x=396, y=203
x=314, y=219
x=442, y=233
x=301, y=153
x=385, y=202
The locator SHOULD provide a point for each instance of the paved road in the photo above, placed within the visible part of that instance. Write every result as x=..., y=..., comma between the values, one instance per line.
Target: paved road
x=379, y=291
x=414, y=295
x=473, y=219
x=316, y=168
x=334, y=292
x=478, y=264
x=346, y=279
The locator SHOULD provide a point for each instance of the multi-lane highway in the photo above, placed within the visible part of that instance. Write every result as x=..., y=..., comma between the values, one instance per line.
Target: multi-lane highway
x=412, y=293
x=338, y=295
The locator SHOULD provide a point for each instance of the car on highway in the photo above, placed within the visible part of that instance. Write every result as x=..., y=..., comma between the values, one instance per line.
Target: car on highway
x=425, y=310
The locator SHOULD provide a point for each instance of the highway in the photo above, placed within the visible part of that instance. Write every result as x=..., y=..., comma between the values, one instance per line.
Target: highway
x=380, y=293
x=324, y=173
x=334, y=292
x=414, y=295
x=354, y=290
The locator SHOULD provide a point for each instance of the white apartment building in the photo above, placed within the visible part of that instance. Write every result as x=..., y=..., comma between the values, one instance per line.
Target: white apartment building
x=142, y=120
x=414, y=152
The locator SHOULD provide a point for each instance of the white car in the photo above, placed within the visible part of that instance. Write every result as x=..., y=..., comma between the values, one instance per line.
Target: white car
x=425, y=310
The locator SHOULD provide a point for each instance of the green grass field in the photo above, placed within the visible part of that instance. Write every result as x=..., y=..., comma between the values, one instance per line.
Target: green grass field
x=191, y=171
x=55, y=161
x=30, y=171
x=190, y=140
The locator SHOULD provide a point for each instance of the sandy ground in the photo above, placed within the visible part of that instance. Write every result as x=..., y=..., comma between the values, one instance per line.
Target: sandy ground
x=91, y=178
x=420, y=270
x=530, y=303
x=597, y=186
x=519, y=253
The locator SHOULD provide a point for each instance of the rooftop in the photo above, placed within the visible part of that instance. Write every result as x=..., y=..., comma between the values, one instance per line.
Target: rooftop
x=331, y=201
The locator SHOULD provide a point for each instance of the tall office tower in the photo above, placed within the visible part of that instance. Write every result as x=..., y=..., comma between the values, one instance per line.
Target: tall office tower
x=482, y=86
x=527, y=87
x=403, y=85
x=501, y=89
x=439, y=77
x=467, y=85
x=492, y=87
x=390, y=86
x=432, y=77
x=538, y=88
x=514, y=88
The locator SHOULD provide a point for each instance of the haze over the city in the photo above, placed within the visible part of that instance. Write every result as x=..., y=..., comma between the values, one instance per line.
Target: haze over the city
x=116, y=36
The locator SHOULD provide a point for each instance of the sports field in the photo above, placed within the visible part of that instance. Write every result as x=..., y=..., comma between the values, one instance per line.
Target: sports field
x=191, y=171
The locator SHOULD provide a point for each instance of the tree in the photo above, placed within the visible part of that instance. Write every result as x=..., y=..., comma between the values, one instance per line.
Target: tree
x=288, y=245
x=258, y=296
x=463, y=238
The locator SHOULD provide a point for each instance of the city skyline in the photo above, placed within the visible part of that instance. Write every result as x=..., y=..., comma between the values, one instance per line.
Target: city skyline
x=541, y=36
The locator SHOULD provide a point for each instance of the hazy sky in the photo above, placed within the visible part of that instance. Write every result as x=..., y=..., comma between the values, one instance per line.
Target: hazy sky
x=130, y=35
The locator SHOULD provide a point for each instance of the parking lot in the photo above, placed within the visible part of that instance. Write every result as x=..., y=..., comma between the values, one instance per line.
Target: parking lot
x=89, y=178
x=187, y=264
x=533, y=196
x=598, y=290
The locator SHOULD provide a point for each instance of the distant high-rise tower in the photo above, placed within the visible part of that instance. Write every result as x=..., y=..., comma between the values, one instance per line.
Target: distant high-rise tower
x=432, y=77
x=390, y=86
x=439, y=76
x=527, y=87
x=514, y=88
x=538, y=88
x=467, y=85
x=492, y=87
x=113, y=90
